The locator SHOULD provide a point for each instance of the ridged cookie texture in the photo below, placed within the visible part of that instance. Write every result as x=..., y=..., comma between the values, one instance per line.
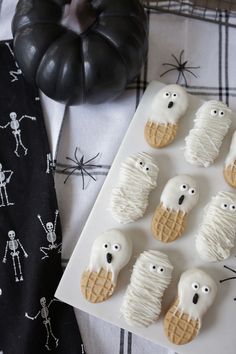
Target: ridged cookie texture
x=179, y=196
x=196, y=293
x=111, y=251
x=168, y=106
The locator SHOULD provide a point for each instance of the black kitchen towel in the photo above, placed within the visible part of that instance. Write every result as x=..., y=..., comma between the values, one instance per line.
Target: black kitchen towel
x=31, y=319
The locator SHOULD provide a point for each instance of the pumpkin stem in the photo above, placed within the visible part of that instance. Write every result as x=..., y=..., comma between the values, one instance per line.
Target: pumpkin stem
x=78, y=16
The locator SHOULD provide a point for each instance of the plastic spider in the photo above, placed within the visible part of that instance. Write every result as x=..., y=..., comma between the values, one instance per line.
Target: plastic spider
x=232, y=270
x=81, y=166
x=180, y=67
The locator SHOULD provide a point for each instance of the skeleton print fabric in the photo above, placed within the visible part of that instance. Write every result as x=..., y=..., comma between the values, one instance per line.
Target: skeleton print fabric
x=31, y=319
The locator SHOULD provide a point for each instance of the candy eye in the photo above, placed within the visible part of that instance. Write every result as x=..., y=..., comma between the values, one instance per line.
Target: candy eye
x=224, y=206
x=161, y=270
x=105, y=245
x=184, y=187
x=232, y=207
x=195, y=286
x=153, y=268
x=116, y=247
x=166, y=94
x=192, y=191
x=214, y=112
x=174, y=95
x=205, y=289
x=141, y=163
x=147, y=168
x=221, y=113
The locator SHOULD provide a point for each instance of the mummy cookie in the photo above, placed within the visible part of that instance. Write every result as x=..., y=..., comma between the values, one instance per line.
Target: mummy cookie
x=111, y=251
x=168, y=106
x=216, y=234
x=196, y=293
x=138, y=176
x=179, y=196
x=211, y=124
x=151, y=276
x=230, y=164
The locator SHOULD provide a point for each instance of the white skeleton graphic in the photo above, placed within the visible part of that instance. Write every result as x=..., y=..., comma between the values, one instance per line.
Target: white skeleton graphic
x=50, y=229
x=13, y=245
x=14, y=73
x=44, y=312
x=50, y=163
x=15, y=125
x=4, y=180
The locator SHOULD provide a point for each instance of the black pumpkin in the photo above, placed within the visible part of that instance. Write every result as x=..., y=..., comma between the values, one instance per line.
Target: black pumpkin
x=88, y=54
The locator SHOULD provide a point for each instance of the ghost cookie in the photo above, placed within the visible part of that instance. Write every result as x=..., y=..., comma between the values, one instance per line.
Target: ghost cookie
x=179, y=196
x=216, y=234
x=196, y=293
x=129, y=199
x=211, y=124
x=230, y=164
x=151, y=276
x=111, y=251
x=168, y=106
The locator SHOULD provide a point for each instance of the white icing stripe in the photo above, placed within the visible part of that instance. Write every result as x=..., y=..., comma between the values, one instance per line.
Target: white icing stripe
x=141, y=304
x=231, y=157
x=205, y=139
x=216, y=235
x=138, y=176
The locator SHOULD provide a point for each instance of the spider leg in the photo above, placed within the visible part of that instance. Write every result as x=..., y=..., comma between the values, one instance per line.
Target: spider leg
x=177, y=61
x=93, y=158
x=75, y=155
x=178, y=77
x=185, y=80
x=82, y=175
x=88, y=173
x=232, y=270
x=221, y=281
x=181, y=54
x=189, y=71
x=192, y=67
x=70, y=159
x=174, y=66
x=167, y=72
x=70, y=174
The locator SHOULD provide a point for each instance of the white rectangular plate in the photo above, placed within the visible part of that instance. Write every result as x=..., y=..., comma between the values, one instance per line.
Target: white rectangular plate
x=217, y=334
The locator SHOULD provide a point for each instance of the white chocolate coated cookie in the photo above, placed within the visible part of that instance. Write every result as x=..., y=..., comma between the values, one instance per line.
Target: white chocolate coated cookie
x=151, y=276
x=196, y=293
x=216, y=234
x=111, y=251
x=230, y=164
x=211, y=124
x=168, y=106
x=138, y=176
x=179, y=196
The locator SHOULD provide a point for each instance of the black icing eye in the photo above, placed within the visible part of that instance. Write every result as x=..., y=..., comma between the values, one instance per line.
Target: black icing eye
x=105, y=245
x=147, y=168
x=224, y=206
x=161, y=269
x=153, y=268
x=214, y=112
x=221, y=113
x=195, y=286
x=192, y=191
x=141, y=163
x=184, y=187
x=174, y=95
x=232, y=207
x=166, y=94
x=116, y=247
x=205, y=289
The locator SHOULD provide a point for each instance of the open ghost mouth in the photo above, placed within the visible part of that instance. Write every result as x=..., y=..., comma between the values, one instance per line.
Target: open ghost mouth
x=181, y=199
x=170, y=104
x=195, y=298
x=109, y=257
